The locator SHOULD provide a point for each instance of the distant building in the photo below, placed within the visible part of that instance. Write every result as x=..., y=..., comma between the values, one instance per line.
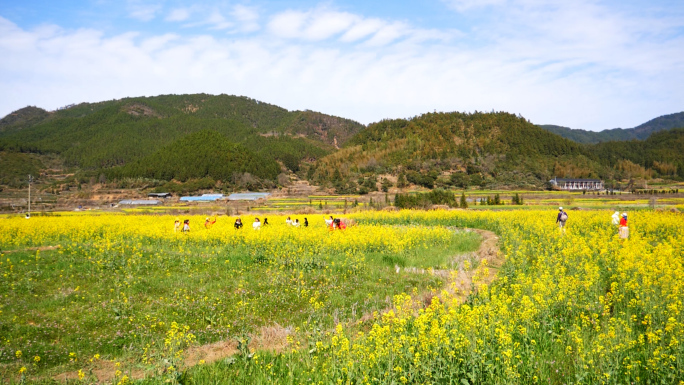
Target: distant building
x=203, y=198
x=577, y=184
x=139, y=202
x=247, y=196
x=159, y=195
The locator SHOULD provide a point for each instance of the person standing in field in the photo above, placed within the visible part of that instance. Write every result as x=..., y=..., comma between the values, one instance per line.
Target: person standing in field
x=238, y=224
x=306, y=222
x=288, y=221
x=186, y=226
x=616, y=218
x=256, y=225
x=623, y=230
x=176, y=225
x=561, y=219
x=296, y=223
x=208, y=223
x=265, y=222
x=329, y=222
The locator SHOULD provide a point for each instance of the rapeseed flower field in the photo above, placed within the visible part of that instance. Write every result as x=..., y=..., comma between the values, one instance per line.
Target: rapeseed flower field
x=82, y=292
x=583, y=307
x=580, y=308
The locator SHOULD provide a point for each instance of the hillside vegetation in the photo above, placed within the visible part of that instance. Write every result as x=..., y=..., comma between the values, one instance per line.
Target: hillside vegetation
x=232, y=141
x=94, y=136
x=202, y=154
x=640, y=132
x=16, y=167
x=487, y=149
x=25, y=117
x=662, y=154
x=455, y=149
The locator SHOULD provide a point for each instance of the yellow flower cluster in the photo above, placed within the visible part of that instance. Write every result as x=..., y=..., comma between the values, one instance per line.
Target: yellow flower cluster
x=275, y=239
x=579, y=307
x=132, y=278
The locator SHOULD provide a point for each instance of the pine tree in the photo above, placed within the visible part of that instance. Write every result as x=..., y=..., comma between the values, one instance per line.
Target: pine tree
x=401, y=181
x=464, y=202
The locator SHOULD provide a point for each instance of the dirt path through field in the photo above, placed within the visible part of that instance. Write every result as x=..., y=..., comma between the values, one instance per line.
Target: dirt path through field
x=487, y=257
x=273, y=338
x=39, y=248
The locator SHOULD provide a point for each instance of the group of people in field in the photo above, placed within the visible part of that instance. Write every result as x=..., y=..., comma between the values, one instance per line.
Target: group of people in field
x=617, y=220
x=296, y=223
x=331, y=224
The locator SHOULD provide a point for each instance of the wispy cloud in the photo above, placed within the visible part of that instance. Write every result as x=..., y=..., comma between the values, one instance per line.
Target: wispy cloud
x=323, y=23
x=247, y=18
x=234, y=19
x=465, y=5
x=217, y=21
x=178, y=14
x=582, y=63
x=143, y=11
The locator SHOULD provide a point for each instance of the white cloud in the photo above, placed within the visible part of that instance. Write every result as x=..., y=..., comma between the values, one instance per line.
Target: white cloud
x=142, y=11
x=315, y=25
x=362, y=29
x=326, y=24
x=246, y=17
x=576, y=64
x=388, y=34
x=217, y=21
x=178, y=14
x=465, y=5
x=288, y=24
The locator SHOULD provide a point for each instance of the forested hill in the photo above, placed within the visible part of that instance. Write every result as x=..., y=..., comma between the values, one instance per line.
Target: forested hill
x=202, y=154
x=661, y=155
x=25, y=117
x=455, y=148
x=113, y=133
x=640, y=132
x=489, y=150
x=237, y=142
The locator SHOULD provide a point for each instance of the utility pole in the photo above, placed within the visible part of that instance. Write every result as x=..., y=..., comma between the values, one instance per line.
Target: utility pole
x=30, y=180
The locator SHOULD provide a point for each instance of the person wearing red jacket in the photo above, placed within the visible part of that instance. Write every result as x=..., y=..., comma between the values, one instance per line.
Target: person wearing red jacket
x=623, y=230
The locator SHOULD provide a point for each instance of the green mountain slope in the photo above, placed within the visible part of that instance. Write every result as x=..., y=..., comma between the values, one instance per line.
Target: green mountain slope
x=25, y=117
x=106, y=134
x=640, y=132
x=484, y=148
x=16, y=167
x=661, y=155
x=202, y=154
x=488, y=149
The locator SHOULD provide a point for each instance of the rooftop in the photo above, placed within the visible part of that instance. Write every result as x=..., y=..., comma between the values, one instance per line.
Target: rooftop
x=575, y=180
x=251, y=196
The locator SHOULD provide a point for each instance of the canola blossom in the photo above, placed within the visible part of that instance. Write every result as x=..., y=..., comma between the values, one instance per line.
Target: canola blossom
x=583, y=307
x=129, y=287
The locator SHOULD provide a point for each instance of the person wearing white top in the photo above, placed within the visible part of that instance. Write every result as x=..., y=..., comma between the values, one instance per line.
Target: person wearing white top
x=256, y=225
x=616, y=218
x=288, y=221
x=296, y=223
x=329, y=222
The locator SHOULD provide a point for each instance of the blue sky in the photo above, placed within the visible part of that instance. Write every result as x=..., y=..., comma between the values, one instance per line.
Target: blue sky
x=582, y=63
